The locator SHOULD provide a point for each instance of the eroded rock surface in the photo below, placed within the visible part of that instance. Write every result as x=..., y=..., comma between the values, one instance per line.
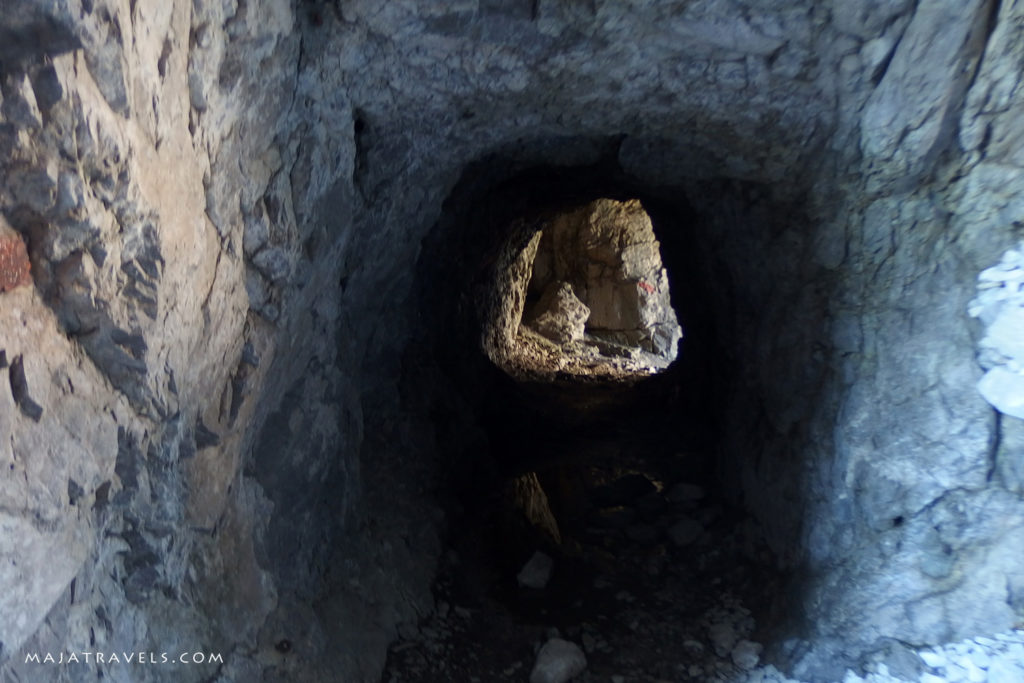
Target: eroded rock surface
x=608, y=252
x=220, y=401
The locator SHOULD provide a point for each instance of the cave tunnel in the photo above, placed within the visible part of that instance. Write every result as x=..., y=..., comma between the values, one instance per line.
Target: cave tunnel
x=614, y=483
x=538, y=340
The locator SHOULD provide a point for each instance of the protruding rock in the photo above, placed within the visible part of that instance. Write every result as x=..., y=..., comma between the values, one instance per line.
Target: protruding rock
x=562, y=317
x=1004, y=389
x=723, y=637
x=557, y=662
x=746, y=654
x=536, y=572
x=608, y=251
x=527, y=496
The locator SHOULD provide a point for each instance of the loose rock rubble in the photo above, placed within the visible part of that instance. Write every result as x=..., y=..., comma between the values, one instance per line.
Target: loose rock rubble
x=999, y=659
x=1000, y=307
x=624, y=595
x=655, y=580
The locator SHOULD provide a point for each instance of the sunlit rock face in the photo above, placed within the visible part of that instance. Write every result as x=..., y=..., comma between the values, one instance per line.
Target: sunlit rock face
x=591, y=282
x=608, y=252
x=220, y=398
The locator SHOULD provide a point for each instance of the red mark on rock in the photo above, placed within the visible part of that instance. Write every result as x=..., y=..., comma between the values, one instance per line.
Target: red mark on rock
x=15, y=269
x=646, y=286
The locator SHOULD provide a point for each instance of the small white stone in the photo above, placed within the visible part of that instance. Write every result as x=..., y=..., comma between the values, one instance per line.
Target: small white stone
x=933, y=659
x=974, y=673
x=1004, y=390
x=931, y=678
x=980, y=658
x=1002, y=671
x=993, y=274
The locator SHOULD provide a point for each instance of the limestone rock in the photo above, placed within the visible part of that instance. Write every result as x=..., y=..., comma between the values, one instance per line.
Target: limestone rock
x=746, y=654
x=1010, y=454
x=608, y=251
x=1000, y=306
x=834, y=176
x=1004, y=389
x=536, y=572
x=557, y=662
x=527, y=497
x=723, y=637
x=560, y=316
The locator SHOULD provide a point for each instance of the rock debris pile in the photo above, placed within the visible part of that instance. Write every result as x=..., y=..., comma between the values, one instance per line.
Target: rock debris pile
x=1000, y=307
x=627, y=594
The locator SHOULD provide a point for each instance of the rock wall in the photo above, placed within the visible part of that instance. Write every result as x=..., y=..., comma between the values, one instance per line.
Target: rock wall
x=148, y=157
x=217, y=416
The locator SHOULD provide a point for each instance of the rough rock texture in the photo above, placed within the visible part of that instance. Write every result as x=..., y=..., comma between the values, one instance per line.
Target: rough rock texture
x=608, y=252
x=557, y=662
x=559, y=315
x=1000, y=306
x=224, y=203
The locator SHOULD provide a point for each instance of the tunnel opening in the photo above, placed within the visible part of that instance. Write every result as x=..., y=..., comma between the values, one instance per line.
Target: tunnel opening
x=587, y=296
x=603, y=510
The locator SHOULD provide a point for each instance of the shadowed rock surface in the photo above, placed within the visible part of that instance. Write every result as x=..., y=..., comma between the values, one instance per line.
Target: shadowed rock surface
x=260, y=252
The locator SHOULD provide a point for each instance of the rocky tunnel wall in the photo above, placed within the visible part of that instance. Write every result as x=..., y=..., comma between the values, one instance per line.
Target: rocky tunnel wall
x=224, y=205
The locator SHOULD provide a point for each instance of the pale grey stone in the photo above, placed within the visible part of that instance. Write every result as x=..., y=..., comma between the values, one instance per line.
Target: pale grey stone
x=723, y=637
x=905, y=118
x=1004, y=389
x=933, y=659
x=557, y=662
x=274, y=263
x=1004, y=671
x=746, y=654
x=560, y=315
x=536, y=572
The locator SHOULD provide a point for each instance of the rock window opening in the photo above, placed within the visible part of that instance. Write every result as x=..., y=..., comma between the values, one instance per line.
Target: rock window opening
x=584, y=294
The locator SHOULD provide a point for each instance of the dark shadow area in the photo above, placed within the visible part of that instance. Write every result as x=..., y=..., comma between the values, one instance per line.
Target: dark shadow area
x=618, y=486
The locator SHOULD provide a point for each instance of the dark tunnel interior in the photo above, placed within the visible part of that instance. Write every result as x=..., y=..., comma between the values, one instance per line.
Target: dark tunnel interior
x=612, y=490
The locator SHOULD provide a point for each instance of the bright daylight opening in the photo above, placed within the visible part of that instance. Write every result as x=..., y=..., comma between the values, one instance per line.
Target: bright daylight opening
x=586, y=296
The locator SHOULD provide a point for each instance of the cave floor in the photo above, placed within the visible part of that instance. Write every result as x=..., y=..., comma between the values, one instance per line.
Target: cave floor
x=593, y=358
x=658, y=587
